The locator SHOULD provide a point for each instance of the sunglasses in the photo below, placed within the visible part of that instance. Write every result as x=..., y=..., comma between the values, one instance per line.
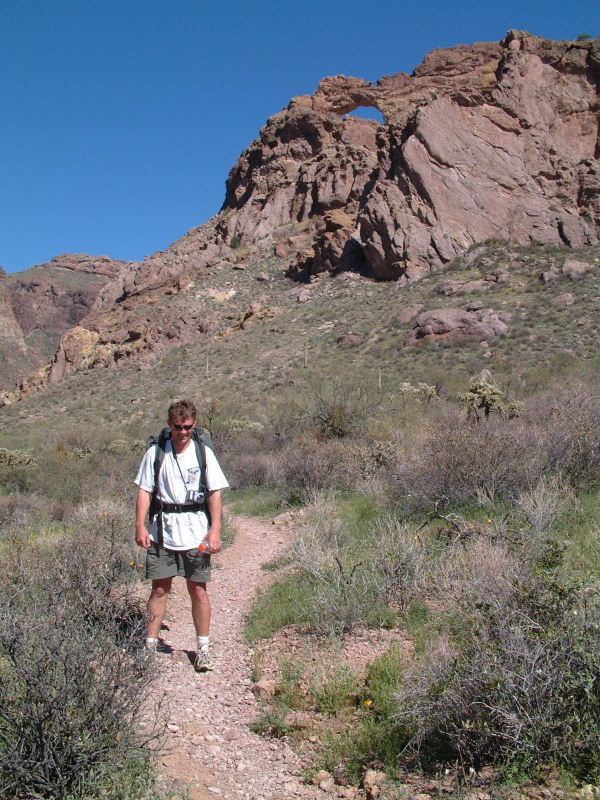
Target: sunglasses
x=182, y=427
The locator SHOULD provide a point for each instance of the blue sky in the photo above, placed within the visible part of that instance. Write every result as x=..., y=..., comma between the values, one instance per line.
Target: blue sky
x=122, y=118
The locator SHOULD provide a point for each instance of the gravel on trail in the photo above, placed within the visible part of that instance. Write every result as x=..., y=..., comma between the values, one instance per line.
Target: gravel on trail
x=210, y=750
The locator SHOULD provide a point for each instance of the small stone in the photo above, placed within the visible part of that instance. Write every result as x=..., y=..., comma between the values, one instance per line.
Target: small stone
x=549, y=276
x=298, y=720
x=566, y=299
x=327, y=786
x=172, y=727
x=349, y=792
x=372, y=782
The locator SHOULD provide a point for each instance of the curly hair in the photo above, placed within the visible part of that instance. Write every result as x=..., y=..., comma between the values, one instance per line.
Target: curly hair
x=181, y=409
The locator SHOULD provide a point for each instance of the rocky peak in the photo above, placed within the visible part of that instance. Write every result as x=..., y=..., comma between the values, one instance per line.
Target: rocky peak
x=482, y=141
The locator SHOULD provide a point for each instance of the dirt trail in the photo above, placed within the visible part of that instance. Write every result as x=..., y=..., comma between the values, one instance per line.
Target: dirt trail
x=211, y=749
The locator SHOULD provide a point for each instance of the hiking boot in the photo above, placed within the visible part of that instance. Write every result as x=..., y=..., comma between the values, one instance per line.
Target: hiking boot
x=151, y=645
x=203, y=662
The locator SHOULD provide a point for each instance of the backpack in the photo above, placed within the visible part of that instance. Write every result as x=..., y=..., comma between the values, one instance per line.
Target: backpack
x=201, y=439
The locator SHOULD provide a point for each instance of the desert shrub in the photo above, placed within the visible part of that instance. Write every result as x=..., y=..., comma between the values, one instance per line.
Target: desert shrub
x=514, y=677
x=568, y=416
x=22, y=514
x=545, y=504
x=374, y=736
x=456, y=458
x=346, y=591
x=15, y=458
x=333, y=689
x=338, y=410
x=71, y=672
x=399, y=558
x=307, y=463
x=247, y=467
x=68, y=477
x=486, y=396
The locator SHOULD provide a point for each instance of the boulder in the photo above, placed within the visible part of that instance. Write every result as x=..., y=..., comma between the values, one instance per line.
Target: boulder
x=575, y=269
x=456, y=325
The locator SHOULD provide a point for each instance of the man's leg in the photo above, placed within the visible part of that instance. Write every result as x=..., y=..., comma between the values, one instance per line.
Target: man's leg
x=157, y=605
x=200, y=607
x=201, y=617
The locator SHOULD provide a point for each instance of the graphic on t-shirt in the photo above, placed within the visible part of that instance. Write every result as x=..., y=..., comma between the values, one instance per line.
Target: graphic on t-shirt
x=193, y=473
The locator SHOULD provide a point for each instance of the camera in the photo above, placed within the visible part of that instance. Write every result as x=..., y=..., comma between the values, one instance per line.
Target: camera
x=192, y=496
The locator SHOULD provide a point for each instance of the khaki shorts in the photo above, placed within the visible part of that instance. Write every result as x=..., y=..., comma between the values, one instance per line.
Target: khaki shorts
x=191, y=564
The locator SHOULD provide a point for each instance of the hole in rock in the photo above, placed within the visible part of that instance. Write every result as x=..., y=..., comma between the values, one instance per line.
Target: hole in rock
x=367, y=112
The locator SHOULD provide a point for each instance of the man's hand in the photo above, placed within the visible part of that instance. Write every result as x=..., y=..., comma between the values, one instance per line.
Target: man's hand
x=214, y=540
x=142, y=505
x=142, y=538
x=215, y=508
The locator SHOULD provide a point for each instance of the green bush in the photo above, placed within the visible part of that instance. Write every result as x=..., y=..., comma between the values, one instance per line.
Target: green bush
x=374, y=736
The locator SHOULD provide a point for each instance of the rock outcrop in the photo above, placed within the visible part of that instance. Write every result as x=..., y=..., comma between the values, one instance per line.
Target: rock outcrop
x=456, y=325
x=16, y=358
x=488, y=141
x=50, y=298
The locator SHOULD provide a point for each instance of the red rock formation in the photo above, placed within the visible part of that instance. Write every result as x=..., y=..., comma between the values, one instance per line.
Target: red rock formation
x=482, y=141
x=16, y=358
x=53, y=297
x=487, y=141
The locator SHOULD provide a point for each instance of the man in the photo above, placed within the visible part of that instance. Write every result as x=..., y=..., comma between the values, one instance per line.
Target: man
x=179, y=538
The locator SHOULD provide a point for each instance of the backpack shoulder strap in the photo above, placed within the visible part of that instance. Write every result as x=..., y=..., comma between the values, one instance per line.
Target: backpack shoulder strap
x=161, y=442
x=200, y=442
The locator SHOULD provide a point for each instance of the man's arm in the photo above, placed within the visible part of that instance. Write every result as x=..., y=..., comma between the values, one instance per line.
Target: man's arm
x=142, y=506
x=215, y=507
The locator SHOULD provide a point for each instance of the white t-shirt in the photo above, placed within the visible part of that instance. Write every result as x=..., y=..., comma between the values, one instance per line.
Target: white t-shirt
x=186, y=530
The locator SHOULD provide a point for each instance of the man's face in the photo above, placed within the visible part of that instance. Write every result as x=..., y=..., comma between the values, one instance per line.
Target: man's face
x=182, y=430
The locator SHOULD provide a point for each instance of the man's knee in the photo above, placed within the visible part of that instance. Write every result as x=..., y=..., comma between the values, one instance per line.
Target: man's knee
x=197, y=590
x=161, y=588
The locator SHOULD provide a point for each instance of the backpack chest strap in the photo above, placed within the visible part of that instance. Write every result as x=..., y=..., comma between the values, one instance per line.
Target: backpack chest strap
x=180, y=508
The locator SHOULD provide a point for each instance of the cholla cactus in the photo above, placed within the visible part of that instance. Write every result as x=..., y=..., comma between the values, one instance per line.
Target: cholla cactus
x=422, y=391
x=484, y=394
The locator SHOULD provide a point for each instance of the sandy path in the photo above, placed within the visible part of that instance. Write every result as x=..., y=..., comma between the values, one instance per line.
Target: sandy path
x=210, y=747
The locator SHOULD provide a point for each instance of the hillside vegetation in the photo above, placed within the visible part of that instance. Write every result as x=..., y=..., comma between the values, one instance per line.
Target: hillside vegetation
x=463, y=523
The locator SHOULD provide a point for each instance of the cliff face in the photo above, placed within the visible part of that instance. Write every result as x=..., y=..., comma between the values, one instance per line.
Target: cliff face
x=16, y=358
x=52, y=297
x=43, y=302
x=487, y=141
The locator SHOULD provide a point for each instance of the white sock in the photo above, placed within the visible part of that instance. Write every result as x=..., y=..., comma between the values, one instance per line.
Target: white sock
x=203, y=642
x=151, y=642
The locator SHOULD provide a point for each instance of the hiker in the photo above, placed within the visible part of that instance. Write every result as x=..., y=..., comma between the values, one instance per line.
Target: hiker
x=179, y=488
